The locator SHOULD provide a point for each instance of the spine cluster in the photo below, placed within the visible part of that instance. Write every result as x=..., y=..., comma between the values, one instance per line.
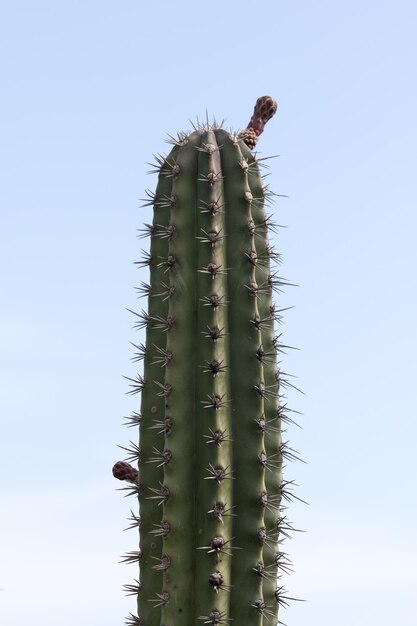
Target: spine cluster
x=211, y=447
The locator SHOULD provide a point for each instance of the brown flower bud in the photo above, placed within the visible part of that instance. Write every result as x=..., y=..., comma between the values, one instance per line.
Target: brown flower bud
x=125, y=471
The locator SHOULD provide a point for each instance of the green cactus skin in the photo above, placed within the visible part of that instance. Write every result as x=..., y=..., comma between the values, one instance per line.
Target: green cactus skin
x=211, y=452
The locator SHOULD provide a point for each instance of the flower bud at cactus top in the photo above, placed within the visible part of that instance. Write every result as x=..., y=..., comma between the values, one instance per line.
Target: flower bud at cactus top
x=210, y=419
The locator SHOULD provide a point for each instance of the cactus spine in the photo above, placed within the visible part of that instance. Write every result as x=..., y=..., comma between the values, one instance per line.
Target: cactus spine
x=210, y=452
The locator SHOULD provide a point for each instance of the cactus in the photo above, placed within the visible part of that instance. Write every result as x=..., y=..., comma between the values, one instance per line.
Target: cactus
x=210, y=451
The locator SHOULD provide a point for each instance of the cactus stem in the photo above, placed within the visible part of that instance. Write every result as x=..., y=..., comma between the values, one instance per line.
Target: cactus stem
x=132, y=590
x=210, y=191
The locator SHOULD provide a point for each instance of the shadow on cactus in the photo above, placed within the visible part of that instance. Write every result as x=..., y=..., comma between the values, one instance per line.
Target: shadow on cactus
x=210, y=487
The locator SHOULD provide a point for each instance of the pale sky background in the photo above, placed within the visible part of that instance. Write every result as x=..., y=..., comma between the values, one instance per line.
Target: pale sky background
x=89, y=90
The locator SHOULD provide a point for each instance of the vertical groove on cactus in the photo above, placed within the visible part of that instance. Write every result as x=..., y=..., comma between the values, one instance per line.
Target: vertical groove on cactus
x=213, y=425
x=179, y=475
x=211, y=449
x=153, y=410
x=272, y=423
x=246, y=376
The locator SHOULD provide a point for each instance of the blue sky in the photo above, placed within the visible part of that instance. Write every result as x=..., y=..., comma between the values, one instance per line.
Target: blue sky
x=90, y=90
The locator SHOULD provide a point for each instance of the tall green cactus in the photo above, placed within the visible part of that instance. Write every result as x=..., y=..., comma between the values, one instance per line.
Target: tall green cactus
x=210, y=451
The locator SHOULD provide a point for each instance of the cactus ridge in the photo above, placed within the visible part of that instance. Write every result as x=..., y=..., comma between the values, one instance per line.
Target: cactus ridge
x=211, y=419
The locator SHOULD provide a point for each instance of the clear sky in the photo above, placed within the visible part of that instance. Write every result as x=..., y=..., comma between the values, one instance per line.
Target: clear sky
x=89, y=90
